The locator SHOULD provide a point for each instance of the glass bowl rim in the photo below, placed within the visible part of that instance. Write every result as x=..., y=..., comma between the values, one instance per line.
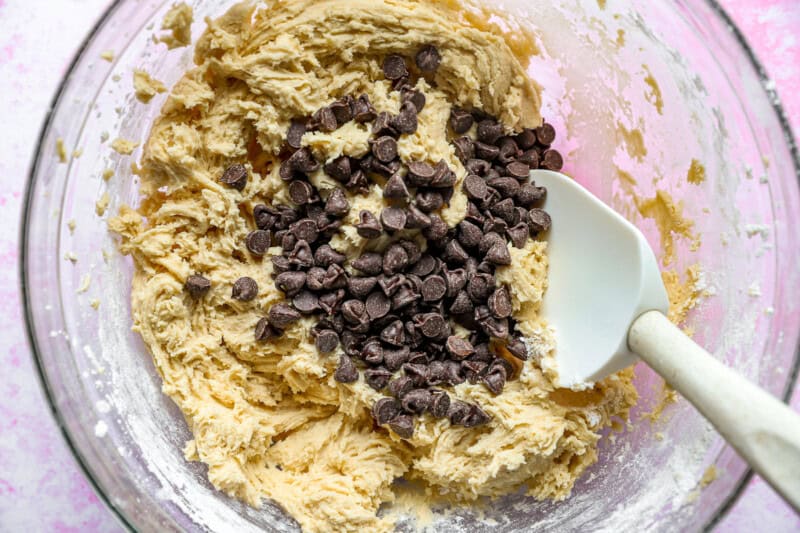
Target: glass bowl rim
x=30, y=330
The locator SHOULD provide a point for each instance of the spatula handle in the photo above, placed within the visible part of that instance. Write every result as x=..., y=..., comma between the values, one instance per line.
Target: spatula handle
x=763, y=430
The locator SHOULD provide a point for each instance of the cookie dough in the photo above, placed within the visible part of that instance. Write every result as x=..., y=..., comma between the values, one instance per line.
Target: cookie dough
x=268, y=419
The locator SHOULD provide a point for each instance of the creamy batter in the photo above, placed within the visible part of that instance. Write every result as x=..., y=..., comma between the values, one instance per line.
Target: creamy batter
x=268, y=419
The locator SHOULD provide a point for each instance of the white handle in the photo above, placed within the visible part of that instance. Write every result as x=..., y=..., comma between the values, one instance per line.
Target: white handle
x=763, y=430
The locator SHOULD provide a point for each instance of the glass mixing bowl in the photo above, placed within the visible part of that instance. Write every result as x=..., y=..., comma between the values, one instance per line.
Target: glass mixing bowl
x=638, y=89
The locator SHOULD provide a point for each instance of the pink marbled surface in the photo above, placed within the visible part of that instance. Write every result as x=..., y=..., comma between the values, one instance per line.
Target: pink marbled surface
x=41, y=486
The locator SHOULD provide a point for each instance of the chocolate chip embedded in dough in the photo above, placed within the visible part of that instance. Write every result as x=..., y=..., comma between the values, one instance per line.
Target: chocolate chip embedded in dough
x=417, y=401
x=395, y=188
x=244, y=289
x=385, y=410
x=264, y=330
x=517, y=347
x=339, y=169
x=377, y=378
x=476, y=417
x=337, y=204
x=460, y=121
x=458, y=412
x=327, y=341
x=406, y=120
x=235, y=176
x=342, y=109
x=403, y=425
x=385, y=148
x=465, y=148
x=363, y=110
x=197, y=286
x=394, y=67
x=303, y=161
x=440, y=403
x=294, y=135
x=283, y=315
x=325, y=119
x=420, y=173
x=301, y=192
x=415, y=97
x=346, y=372
x=428, y=58
x=429, y=201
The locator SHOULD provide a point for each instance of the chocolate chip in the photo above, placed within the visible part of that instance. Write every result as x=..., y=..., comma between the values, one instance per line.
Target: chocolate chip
x=363, y=110
x=489, y=240
x=425, y=266
x=326, y=256
x=385, y=410
x=394, y=333
x=197, y=286
x=343, y=111
x=508, y=150
x=330, y=301
x=377, y=378
x=244, y=289
x=280, y=264
x=264, y=330
x=301, y=255
x=327, y=341
x=454, y=253
x=413, y=251
x=404, y=296
x=495, y=379
x=295, y=134
x=456, y=279
x=440, y=403
x=385, y=148
x=390, y=284
x=403, y=425
x=443, y=176
x=529, y=194
x=354, y=311
x=480, y=287
x=546, y=134
x=552, y=160
x=306, y=302
x=474, y=370
x=335, y=278
x=378, y=305
x=460, y=121
x=433, y=289
x=337, y=204
x=431, y=324
x=416, y=219
x=486, y=151
x=325, y=119
x=478, y=166
x=283, y=315
x=395, y=259
x=476, y=417
x=437, y=230
x=417, y=401
x=417, y=372
x=339, y=169
x=346, y=372
x=417, y=98
x=368, y=226
x=303, y=161
x=393, y=219
x=305, y=230
x=526, y=139
x=235, y=176
x=429, y=201
x=458, y=412
x=394, y=67
x=503, y=209
x=462, y=304
x=428, y=58
x=265, y=217
x=383, y=125
x=420, y=173
x=517, y=347
x=539, y=220
x=301, y=192
x=459, y=348
x=530, y=158
x=518, y=170
x=394, y=360
x=314, y=278
x=290, y=283
x=507, y=187
x=395, y=188
x=360, y=287
x=495, y=327
x=500, y=303
x=499, y=255
x=489, y=131
x=518, y=234
x=465, y=149
x=406, y=120
x=469, y=235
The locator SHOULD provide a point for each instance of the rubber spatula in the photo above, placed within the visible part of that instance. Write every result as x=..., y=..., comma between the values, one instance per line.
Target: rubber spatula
x=606, y=303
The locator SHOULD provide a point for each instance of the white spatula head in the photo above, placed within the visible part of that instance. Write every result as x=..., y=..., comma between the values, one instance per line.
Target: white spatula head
x=603, y=275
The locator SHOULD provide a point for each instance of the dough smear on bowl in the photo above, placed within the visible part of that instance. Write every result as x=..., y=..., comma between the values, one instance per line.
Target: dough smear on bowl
x=268, y=418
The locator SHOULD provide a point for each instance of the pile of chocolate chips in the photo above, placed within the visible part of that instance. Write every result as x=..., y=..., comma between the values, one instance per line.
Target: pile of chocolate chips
x=395, y=320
